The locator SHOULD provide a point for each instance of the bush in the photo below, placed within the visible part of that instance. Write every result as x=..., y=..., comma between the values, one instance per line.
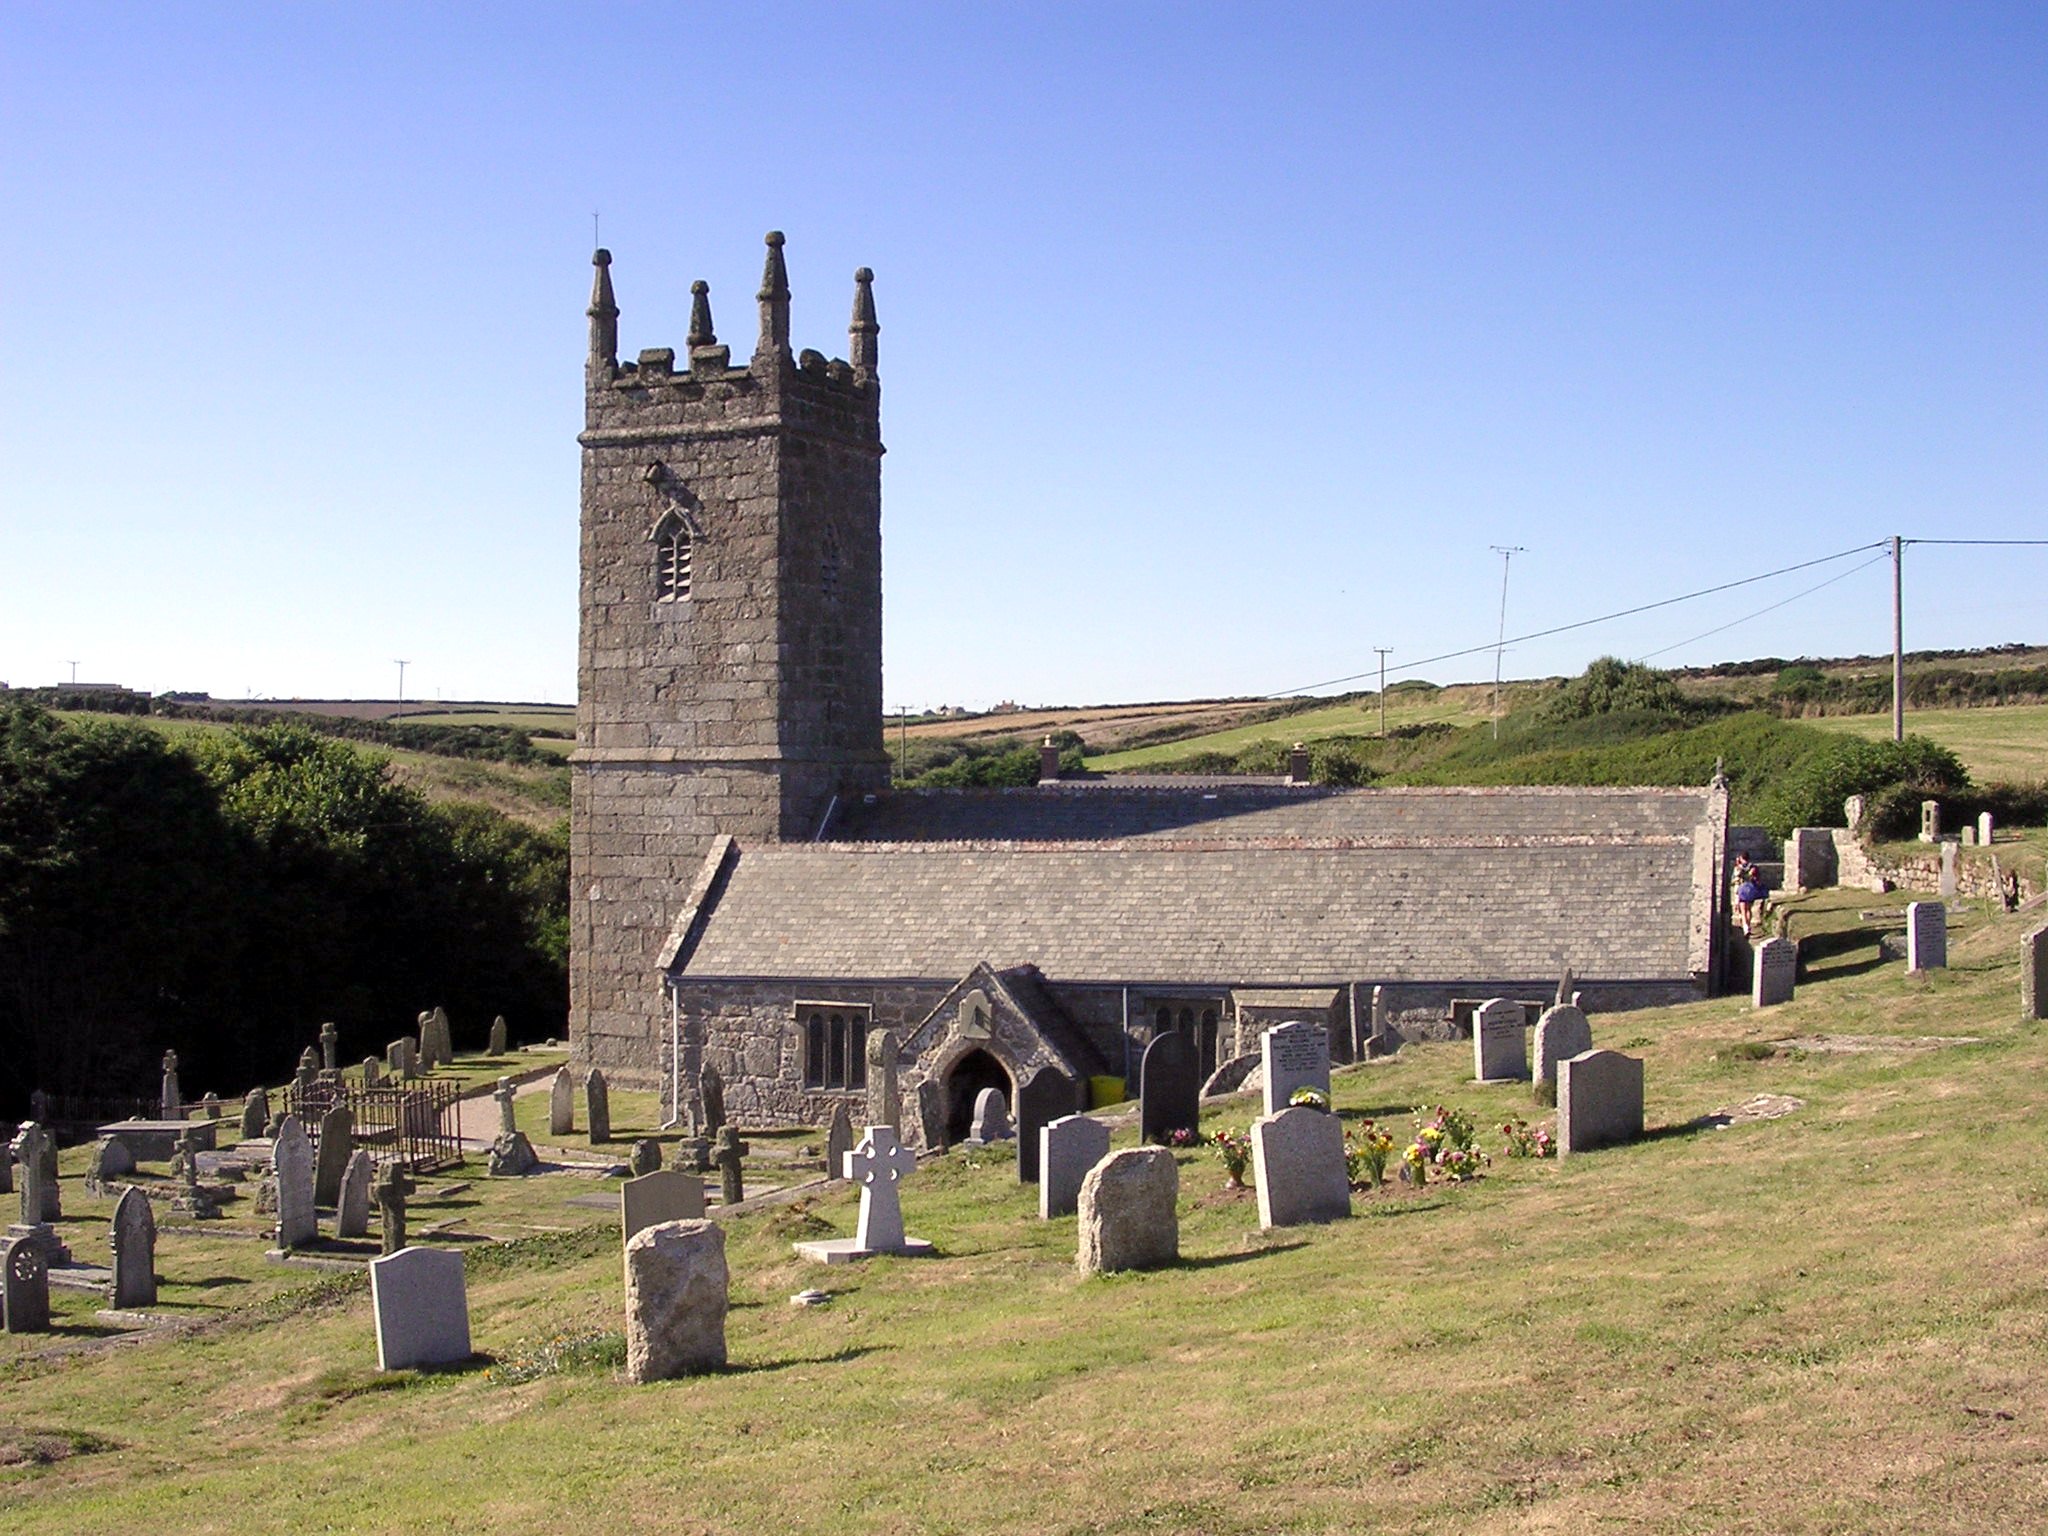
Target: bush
x=1613, y=686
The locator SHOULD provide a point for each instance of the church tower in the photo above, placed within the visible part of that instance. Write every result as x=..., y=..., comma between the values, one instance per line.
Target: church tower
x=729, y=659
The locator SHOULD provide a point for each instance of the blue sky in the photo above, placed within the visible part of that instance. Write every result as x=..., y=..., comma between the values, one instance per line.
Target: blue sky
x=1219, y=343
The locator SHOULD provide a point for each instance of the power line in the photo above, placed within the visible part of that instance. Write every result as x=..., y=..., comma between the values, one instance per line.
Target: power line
x=1976, y=541
x=1717, y=629
x=1542, y=634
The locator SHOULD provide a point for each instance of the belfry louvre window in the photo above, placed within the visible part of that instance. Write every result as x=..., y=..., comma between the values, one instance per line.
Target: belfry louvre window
x=672, y=561
x=835, y=1037
x=828, y=566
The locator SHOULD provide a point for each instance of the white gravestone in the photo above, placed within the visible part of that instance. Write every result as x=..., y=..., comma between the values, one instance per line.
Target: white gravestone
x=878, y=1165
x=655, y=1198
x=1294, y=1056
x=677, y=1292
x=1777, y=965
x=1926, y=935
x=1984, y=829
x=1949, y=854
x=1561, y=1032
x=1499, y=1052
x=1298, y=1167
x=991, y=1117
x=1599, y=1100
x=292, y=1157
x=1067, y=1148
x=421, y=1307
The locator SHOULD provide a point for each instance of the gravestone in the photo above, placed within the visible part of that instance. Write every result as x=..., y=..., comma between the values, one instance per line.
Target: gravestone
x=309, y=1069
x=1949, y=854
x=111, y=1160
x=1810, y=859
x=885, y=1101
x=1930, y=821
x=878, y=1165
x=200, y=1204
x=692, y=1155
x=597, y=1106
x=512, y=1157
x=1565, y=985
x=562, y=1104
x=1968, y=837
x=1067, y=1149
x=1499, y=1051
x=6, y=1170
x=373, y=1072
x=1599, y=1100
x=498, y=1043
x=658, y=1197
x=991, y=1117
x=292, y=1158
x=1049, y=1094
x=352, y=1209
x=398, y=1059
x=1298, y=1167
x=24, y=1287
x=2034, y=974
x=1127, y=1218
x=1561, y=1031
x=1776, y=967
x=443, y=1036
x=421, y=1308
x=330, y=1046
x=1382, y=1041
x=711, y=1094
x=728, y=1152
x=394, y=1183
x=36, y=1154
x=1985, y=828
x=171, y=1099
x=677, y=1285
x=645, y=1157
x=1926, y=936
x=931, y=1115
x=133, y=1241
x=1169, y=1087
x=838, y=1142
x=337, y=1131
x=1294, y=1056
x=210, y=1106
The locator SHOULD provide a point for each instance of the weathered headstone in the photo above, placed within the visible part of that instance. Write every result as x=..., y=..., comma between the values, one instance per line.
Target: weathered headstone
x=1499, y=1051
x=1949, y=854
x=597, y=1107
x=658, y=1197
x=1968, y=837
x=36, y=1154
x=1926, y=936
x=1561, y=1031
x=330, y=1046
x=878, y=1165
x=991, y=1117
x=24, y=1287
x=838, y=1142
x=438, y=1035
x=1049, y=1095
x=692, y=1155
x=309, y=1069
x=728, y=1152
x=711, y=1094
x=337, y=1133
x=1599, y=1100
x=171, y=1100
x=192, y=1199
x=1985, y=828
x=1776, y=967
x=2034, y=973
x=1169, y=1087
x=562, y=1104
x=352, y=1210
x=885, y=1101
x=931, y=1115
x=398, y=1059
x=292, y=1157
x=133, y=1242
x=1294, y=1056
x=1930, y=821
x=1298, y=1167
x=1067, y=1148
x=645, y=1158
x=1127, y=1217
x=394, y=1183
x=373, y=1072
x=676, y=1292
x=255, y=1114
x=505, y=1095
x=498, y=1043
x=111, y=1160
x=421, y=1308
x=512, y=1156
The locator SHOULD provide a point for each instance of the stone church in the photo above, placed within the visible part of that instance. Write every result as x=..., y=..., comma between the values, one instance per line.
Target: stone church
x=748, y=892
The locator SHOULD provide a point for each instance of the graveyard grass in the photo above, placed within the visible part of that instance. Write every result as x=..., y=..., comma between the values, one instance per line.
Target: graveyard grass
x=1833, y=1321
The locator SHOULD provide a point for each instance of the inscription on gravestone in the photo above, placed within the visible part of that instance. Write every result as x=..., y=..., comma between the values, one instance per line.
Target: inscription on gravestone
x=1294, y=1056
x=1777, y=966
x=1926, y=936
x=1298, y=1166
x=1499, y=1051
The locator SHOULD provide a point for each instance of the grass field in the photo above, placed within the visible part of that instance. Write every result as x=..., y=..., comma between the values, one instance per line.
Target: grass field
x=1835, y=1321
x=1458, y=706
x=2008, y=743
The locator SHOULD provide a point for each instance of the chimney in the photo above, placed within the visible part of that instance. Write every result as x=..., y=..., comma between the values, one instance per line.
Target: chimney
x=1048, y=761
x=1297, y=764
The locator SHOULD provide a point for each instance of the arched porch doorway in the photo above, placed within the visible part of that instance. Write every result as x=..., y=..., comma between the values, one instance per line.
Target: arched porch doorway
x=972, y=1073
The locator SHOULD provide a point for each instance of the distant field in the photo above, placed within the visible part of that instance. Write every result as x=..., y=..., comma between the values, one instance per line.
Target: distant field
x=2008, y=743
x=440, y=712
x=524, y=717
x=1461, y=705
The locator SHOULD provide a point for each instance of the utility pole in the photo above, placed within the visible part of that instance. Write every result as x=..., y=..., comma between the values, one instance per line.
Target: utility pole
x=401, y=691
x=74, y=672
x=1898, y=643
x=902, y=741
x=1383, y=649
x=1507, y=553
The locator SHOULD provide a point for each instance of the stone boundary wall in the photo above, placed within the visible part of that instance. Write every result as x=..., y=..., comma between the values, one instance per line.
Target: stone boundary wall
x=1860, y=866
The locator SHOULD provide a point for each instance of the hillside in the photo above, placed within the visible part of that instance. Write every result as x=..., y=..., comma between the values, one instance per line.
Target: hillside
x=1830, y=1321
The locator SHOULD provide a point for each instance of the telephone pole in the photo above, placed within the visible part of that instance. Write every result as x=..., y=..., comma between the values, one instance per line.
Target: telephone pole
x=401, y=690
x=1507, y=553
x=1898, y=643
x=1383, y=650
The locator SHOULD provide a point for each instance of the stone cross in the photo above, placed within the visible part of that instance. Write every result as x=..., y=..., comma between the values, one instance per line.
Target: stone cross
x=172, y=1105
x=330, y=1044
x=37, y=1155
x=507, y=1122
x=726, y=1154
x=879, y=1164
x=885, y=1100
x=393, y=1185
